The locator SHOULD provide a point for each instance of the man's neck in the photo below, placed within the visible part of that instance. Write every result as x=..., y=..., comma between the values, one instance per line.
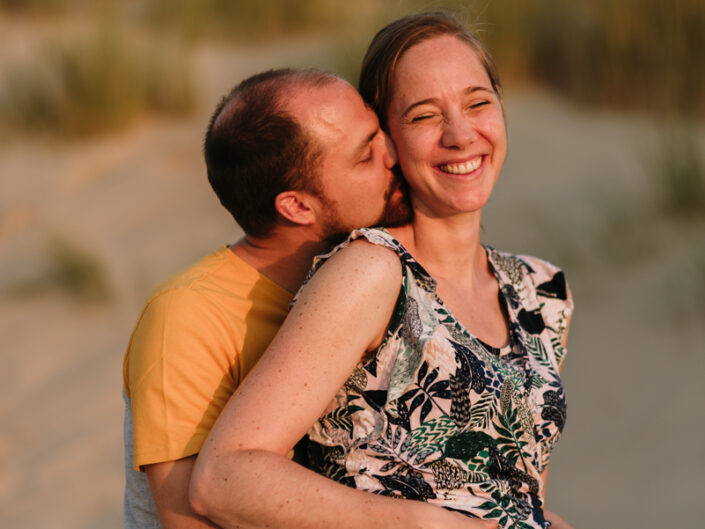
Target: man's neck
x=283, y=260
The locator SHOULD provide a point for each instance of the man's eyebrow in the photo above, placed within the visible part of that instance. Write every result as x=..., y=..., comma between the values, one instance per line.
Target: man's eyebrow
x=469, y=90
x=364, y=143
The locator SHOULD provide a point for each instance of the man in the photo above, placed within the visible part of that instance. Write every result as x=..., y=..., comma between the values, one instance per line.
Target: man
x=297, y=159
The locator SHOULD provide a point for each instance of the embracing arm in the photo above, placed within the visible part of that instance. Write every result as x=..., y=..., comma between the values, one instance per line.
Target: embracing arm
x=242, y=477
x=168, y=482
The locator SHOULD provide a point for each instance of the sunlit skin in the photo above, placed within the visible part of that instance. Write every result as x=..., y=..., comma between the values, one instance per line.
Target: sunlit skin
x=447, y=123
x=354, y=171
x=444, y=111
x=448, y=126
x=341, y=313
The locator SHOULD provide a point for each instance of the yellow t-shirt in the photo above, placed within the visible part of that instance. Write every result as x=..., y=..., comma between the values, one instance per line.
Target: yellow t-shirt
x=198, y=336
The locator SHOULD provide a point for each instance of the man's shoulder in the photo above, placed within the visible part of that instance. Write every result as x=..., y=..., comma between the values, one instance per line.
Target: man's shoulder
x=220, y=274
x=201, y=309
x=219, y=265
x=215, y=286
x=220, y=288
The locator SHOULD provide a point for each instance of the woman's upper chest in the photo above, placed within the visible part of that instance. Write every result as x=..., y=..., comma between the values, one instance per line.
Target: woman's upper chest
x=480, y=310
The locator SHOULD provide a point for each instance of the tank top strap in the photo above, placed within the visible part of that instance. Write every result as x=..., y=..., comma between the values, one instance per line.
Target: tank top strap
x=381, y=237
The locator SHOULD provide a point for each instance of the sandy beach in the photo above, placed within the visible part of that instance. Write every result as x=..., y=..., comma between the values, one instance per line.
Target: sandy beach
x=574, y=191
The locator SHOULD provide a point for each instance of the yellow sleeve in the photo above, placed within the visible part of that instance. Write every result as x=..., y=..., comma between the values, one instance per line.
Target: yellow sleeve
x=182, y=368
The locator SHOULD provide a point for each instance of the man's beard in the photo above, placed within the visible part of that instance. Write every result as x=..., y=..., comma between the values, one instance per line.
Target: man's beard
x=397, y=212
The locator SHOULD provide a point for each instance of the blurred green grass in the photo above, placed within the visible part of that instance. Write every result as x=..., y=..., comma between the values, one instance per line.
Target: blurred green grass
x=635, y=54
x=677, y=169
x=632, y=53
x=96, y=84
x=646, y=55
x=241, y=19
x=68, y=269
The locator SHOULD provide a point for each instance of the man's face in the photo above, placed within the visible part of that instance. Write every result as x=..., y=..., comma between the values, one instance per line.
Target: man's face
x=357, y=185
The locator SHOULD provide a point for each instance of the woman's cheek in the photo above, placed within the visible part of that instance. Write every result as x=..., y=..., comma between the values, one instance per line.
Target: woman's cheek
x=494, y=125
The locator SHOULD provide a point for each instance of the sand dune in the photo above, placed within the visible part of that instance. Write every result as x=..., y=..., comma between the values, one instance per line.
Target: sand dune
x=632, y=454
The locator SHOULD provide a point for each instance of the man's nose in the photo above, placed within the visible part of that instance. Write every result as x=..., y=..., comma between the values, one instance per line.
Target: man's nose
x=390, y=157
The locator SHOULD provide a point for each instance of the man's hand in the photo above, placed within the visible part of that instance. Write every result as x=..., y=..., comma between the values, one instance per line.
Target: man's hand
x=169, y=482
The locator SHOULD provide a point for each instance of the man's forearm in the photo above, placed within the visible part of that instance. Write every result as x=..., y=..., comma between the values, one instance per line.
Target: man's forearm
x=169, y=484
x=257, y=489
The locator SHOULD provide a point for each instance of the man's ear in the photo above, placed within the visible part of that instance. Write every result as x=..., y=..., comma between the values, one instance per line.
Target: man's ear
x=296, y=207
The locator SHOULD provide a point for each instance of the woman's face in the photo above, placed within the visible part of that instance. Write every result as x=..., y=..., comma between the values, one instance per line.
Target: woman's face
x=448, y=126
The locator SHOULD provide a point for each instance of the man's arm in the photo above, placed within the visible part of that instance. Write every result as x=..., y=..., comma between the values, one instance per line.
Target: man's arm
x=178, y=380
x=242, y=478
x=169, y=482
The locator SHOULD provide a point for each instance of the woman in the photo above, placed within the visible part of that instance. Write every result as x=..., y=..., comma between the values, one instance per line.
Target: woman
x=454, y=348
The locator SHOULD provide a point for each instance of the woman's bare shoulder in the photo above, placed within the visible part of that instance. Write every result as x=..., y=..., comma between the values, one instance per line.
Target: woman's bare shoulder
x=377, y=263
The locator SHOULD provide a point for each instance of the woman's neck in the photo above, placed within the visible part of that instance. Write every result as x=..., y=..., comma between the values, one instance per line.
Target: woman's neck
x=446, y=247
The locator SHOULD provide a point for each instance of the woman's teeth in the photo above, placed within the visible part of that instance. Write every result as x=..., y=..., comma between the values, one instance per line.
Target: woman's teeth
x=461, y=168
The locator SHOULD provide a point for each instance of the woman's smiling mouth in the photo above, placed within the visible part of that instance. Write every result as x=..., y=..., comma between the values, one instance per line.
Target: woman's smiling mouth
x=461, y=168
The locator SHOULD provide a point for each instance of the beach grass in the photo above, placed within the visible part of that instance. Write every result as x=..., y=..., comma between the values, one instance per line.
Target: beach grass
x=69, y=270
x=252, y=20
x=95, y=85
x=677, y=170
x=631, y=54
x=644, y=55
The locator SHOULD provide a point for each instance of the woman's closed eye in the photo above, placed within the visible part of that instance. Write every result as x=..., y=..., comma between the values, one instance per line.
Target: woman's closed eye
x=421, y=117
x=478, y=104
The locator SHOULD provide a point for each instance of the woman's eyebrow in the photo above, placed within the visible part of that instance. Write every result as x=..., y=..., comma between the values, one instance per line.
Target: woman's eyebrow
x=412, y=106
x=469, y=90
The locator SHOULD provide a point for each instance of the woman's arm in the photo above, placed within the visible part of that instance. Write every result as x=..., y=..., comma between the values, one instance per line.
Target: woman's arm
x=254, y=489
x=242, y=477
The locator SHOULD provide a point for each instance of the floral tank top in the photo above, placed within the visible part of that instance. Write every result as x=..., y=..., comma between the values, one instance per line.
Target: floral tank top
x=437, y=415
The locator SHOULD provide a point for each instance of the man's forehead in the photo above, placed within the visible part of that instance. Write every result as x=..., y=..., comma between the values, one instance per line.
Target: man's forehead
x=321, y=99
x=325, y=109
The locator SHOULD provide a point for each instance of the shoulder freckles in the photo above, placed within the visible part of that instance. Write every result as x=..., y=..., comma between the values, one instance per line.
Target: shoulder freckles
x=373, y=255
x=376, y=263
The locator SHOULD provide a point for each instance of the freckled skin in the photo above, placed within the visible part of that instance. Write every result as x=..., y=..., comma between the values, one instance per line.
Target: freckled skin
x=455, y=125
x=356, y=185
x=336, y=334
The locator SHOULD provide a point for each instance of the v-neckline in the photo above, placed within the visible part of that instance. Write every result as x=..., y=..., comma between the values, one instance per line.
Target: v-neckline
x=510, y=315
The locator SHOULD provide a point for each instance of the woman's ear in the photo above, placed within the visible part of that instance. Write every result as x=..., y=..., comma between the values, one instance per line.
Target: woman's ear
x=296, y=207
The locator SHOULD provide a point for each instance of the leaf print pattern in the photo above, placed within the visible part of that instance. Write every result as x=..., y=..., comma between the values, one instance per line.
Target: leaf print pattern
x=554, y=409
x=437, y=415
x=483, y=411
x=448, y=475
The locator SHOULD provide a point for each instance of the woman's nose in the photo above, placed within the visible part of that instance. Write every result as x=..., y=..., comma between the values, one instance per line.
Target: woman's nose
x=458, y=132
